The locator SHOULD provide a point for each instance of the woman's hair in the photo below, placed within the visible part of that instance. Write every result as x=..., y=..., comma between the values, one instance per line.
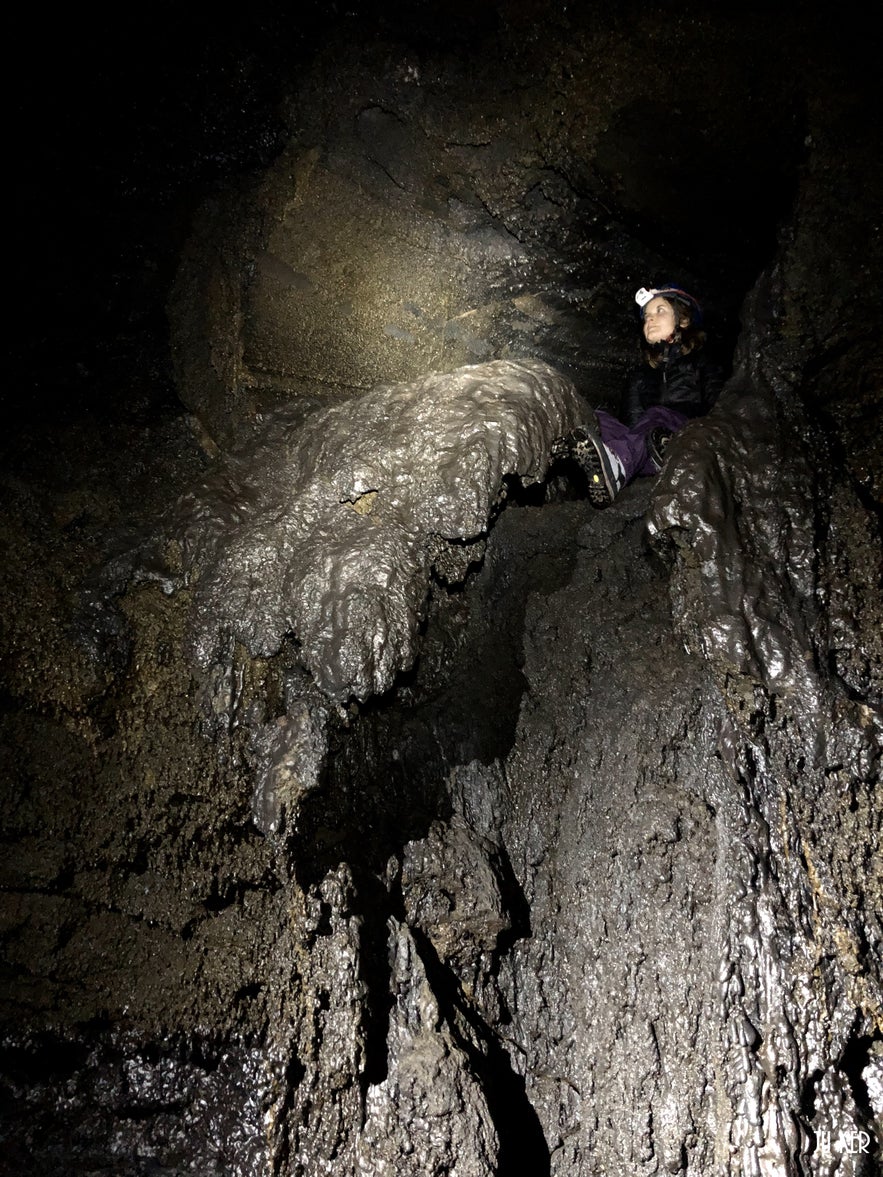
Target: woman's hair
x=688, y=335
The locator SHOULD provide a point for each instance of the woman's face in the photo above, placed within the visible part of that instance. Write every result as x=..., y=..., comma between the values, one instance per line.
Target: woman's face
x=659, y=320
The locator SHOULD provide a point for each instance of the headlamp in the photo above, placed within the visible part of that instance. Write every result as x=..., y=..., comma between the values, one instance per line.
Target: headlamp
x=643, y=296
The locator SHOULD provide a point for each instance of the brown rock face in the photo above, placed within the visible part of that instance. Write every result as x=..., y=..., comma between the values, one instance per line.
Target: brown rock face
x=371, y=804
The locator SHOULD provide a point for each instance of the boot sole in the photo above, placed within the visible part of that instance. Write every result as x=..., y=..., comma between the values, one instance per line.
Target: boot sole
x=596, y=467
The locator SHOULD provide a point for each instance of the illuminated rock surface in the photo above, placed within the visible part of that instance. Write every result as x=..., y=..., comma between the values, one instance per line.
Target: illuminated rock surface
x=325, y=528
x=355, y=822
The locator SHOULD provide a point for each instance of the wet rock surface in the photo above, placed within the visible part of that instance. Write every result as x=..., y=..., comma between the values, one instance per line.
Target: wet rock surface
x=328, y=527
x=581, y=874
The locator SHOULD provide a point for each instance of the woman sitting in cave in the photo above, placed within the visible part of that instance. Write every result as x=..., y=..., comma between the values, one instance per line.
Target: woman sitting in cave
x=676, y=381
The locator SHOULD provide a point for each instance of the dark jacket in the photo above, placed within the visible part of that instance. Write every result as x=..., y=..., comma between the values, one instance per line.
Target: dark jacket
x=688, y=383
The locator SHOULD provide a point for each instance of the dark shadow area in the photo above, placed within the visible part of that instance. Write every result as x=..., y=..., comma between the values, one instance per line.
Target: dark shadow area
x=523, y=1147
x=122, y=124
x=857, y=1063
x=375, y=906
x=687, y=190
x=388, y=776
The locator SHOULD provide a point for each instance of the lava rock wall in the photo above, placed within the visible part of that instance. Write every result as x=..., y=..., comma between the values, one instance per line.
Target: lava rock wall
x=575, y=869
x=443, y=206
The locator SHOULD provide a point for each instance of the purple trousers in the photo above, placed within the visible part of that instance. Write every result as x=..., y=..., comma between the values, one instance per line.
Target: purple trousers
x=629, y=443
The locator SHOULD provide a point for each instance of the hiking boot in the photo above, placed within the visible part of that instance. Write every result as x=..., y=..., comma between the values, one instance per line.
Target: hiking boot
x=605, y=476
x=657, y=443
x=565, y=447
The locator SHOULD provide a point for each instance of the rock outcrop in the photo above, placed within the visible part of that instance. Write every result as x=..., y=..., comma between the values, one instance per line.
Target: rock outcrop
x=362, y=819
